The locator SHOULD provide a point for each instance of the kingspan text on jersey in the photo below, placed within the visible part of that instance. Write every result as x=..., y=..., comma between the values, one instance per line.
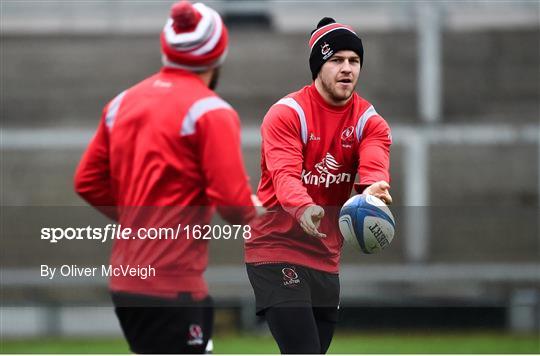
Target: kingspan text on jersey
x=325, y=179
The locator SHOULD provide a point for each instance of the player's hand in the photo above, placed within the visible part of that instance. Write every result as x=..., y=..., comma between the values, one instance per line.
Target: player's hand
x=259, y=208
x=311, y=220
x=380, y=190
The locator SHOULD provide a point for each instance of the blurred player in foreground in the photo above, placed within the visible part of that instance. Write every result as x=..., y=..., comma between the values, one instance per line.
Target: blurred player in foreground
x=166, y=151
x=315, y=141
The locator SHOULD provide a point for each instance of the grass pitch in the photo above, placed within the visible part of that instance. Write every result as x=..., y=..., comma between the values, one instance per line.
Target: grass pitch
x=349, y=343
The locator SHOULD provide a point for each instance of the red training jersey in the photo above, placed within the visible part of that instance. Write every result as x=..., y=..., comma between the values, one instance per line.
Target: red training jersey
x=311, y=154
x=166, y=152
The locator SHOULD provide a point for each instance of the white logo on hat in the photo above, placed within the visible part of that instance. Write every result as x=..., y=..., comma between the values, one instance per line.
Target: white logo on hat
x=325, y=48
x=326, y=51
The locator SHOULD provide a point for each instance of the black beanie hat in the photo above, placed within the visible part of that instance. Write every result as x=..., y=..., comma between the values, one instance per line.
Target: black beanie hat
x=329, y=38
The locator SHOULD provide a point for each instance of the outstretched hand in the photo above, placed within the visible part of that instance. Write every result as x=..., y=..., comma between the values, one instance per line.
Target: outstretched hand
x=380, y=190
x=311, y=220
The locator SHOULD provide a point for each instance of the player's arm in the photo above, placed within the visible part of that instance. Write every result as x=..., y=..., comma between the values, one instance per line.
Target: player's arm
x=92, y=178
x=374, y=159
x=283, y=156
x=227, y=184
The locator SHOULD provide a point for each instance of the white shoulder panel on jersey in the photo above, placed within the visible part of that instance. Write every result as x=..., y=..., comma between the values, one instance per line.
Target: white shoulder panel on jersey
x=198, y=109
x=113, y=109
x=293, y=104
x=370, y=112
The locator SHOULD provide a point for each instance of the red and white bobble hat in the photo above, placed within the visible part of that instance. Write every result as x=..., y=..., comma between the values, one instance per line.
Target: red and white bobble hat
x=194, y=38
x=329, y=38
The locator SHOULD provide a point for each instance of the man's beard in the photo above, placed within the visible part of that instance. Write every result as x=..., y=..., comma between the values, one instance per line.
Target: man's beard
x=333, y=92
x=214, y=79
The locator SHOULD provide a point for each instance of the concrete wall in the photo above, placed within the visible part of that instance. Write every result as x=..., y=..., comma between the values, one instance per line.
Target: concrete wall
x=490, y=76
x=60, y=80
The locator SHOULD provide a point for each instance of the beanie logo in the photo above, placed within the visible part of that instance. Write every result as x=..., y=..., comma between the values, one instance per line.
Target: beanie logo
x=325, y=48
x=326, y=51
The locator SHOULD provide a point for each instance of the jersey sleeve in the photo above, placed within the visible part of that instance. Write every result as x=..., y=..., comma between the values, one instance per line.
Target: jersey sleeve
x=374, y=153
x=227, y=184
x=283, y=156
x=92, y=177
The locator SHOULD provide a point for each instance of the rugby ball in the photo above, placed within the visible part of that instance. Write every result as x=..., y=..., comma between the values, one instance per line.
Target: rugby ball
x=366, y=223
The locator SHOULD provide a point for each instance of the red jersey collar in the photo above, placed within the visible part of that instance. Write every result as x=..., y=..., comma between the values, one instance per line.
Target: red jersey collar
x=320, y=100
x=180, y=72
